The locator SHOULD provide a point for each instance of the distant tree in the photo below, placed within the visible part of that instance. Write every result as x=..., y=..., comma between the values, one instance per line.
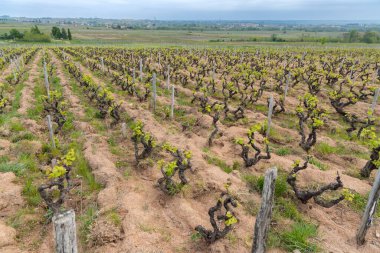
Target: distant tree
x=35, y=30
x=15, y=34
x=353, y=36
x=371, y=37
x=69, y=34
x=276, y=38
x=35, y=35
x=56, y=33
x=64, y=34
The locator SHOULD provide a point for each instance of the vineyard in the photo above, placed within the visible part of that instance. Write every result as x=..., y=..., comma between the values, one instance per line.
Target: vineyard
x=165, y=150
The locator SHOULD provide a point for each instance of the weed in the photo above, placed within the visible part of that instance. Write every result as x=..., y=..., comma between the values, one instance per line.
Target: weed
x=299, y=237
x=31, y=194
x=318, y=164
x=283, y=151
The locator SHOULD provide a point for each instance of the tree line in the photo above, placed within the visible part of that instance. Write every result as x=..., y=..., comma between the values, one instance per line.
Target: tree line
x=57, y=33
x=353, y=36
x=35, y=35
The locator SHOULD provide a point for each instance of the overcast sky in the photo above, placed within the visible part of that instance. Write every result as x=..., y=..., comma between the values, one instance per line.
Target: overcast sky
x=197, y=9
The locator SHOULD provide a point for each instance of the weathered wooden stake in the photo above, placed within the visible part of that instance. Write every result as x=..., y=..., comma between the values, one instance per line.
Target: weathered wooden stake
x=270, y=111
x=168, y=78
x=141, y=70
x=124, y=129
x=46, y=81
x=65, y=232
x=51, y=132
x=286, y=86
x=14, y=73
x=370, y=210
x=102, y=62
x=134, y=75
x=154, y=92
x=263, y=219
x=16, y=62
x=375, y=98
x=172, y=106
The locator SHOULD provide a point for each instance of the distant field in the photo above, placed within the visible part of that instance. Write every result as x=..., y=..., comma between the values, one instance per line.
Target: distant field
x=100, y=35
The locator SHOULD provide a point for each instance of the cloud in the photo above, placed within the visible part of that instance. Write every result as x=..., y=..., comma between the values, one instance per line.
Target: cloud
x=196, y=9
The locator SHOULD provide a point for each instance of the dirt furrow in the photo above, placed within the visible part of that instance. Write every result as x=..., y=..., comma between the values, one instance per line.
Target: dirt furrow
x=27, y=97
x=95, y=148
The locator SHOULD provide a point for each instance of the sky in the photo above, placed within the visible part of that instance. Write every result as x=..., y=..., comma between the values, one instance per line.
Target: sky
x=196, y=9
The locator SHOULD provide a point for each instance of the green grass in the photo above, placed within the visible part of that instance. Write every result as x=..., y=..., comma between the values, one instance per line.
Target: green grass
x=82, y=168
x=30, y=193
x=359, y=202
x=261, y=108
x=22, y=136
x=283, y=151
x=29, y=162
x=24, y=163
x=314, y=161
x=4, y=159
x=324, y=149
x=286, y=208
x=17, y=94
x=300, y=233
x=114, y=217
x=36, y=111
x=17, y=168
x=299, y=237
x=16, y=126
x=221, y=164
x=256, y=183
x=86, y=220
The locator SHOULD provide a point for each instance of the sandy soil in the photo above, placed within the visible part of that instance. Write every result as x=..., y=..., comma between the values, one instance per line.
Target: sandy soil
x=154, y=222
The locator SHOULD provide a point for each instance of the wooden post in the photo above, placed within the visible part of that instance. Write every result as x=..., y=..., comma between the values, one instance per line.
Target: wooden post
x=124, y=129
x=14, y=73
x=46, y=81
x=17, y=62
x=375, y=98
x=286, y=86
x=172, y=106
x=134, y=75
x=141, y=70
x=154, y=92
x=270, y=111
x=370, y=210
x=65, y=232
x=51, y=132
x=168, y=78
x=265, y=214
x=102, y=62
